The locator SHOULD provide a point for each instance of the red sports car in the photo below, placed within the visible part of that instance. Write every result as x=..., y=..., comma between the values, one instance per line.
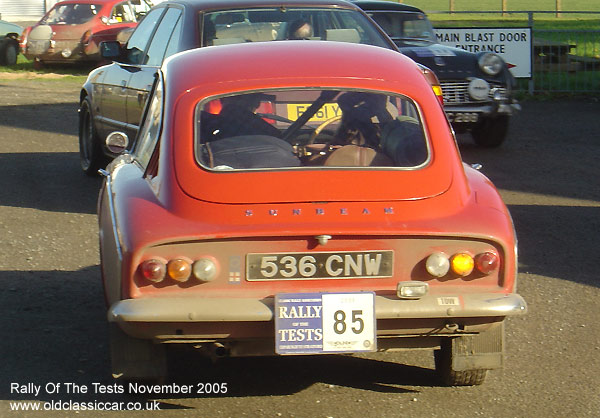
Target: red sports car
x=306, y=198
x=72, y=30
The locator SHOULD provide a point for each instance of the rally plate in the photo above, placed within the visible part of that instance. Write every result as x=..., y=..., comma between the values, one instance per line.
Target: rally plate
x=320, y=265
x=325, y=323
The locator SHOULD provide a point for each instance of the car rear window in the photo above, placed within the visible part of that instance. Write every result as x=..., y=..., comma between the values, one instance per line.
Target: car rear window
x=309, y=128
x=72, y=14
x=405, y=25
x=271, y=24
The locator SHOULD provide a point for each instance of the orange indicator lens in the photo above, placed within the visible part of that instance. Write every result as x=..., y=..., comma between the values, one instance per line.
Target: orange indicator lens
x=462, y=264
x=179, y=270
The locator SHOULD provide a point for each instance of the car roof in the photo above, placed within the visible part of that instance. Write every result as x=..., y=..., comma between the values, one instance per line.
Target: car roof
x=288, y=60
x=232, y=4
x=385, y=5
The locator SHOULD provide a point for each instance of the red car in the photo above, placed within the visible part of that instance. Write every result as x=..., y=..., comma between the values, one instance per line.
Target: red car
x=307, y=198
x=72, y=30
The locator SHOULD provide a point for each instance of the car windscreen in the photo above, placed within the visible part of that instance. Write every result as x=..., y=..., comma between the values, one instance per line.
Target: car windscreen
x=405, y=26
x=72, y=14
x=309, y=129
x=271, y=24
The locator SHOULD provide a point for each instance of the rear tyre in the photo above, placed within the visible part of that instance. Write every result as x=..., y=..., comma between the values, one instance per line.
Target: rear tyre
x=134, y=359
x=91, y=156
x=9, y=50
x=491, y=132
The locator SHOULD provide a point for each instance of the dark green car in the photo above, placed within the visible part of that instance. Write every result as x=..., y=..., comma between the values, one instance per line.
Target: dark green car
x=478, y=87
x=9, y=42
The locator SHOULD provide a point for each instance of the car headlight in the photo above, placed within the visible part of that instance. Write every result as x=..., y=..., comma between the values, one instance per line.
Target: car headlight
x=491, y=64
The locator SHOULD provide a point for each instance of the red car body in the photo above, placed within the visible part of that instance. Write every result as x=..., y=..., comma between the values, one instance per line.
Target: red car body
x=264, y=235
x=72, y=30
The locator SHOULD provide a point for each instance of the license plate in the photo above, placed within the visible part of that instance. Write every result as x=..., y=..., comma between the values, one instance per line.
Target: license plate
x=321, y=323
x=322, y=265
x=327, y=111
x=463, y=117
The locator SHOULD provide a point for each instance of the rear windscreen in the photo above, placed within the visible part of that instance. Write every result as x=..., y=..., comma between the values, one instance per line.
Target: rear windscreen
x=309, y=128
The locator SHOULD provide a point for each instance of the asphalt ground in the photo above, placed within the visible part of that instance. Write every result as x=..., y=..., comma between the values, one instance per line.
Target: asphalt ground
x=52, y=315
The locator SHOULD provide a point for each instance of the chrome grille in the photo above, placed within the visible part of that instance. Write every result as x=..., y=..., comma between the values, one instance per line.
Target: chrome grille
x=457, y=92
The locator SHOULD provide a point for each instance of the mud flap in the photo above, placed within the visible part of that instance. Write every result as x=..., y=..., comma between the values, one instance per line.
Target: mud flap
x=482, y=351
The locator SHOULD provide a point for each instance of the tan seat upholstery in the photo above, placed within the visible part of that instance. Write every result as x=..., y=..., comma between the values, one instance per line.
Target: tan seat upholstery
x=357, y=156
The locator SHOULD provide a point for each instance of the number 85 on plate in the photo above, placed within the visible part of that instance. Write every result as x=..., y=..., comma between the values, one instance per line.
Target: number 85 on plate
x=349, y=322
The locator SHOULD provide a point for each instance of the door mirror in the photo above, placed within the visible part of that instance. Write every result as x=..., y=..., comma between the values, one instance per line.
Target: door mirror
x=110, y=50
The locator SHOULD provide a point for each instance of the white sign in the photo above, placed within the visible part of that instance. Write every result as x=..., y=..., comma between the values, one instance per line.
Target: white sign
x=512, y=44
x=349, y=322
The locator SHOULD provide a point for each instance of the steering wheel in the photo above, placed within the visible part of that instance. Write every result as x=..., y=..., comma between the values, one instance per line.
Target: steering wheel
x=315, y=134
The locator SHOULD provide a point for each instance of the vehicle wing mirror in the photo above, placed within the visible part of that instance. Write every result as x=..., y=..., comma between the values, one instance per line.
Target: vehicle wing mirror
x=117, y=142
x=110, y=50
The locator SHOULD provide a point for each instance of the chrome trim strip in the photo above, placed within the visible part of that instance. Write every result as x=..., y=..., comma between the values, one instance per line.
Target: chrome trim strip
x=113, y=216
x=116, y=125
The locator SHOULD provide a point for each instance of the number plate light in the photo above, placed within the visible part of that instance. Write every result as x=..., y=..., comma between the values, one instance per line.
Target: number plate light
x=412, y=290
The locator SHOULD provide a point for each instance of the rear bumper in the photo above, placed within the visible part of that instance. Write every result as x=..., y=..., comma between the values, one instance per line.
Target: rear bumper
x=245, y=327
x=61, y=51
x=219, y=310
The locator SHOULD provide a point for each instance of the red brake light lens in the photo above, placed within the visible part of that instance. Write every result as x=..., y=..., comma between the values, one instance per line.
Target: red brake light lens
x=153, y=270
x=487, y=262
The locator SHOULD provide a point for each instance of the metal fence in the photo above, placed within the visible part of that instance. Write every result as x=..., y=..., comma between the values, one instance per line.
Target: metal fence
x=563, y=60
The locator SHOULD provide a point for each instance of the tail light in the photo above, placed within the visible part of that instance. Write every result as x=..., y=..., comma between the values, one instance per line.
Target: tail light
x=153, y=270
x=204, y=269
x=462, y=264
x=438, y=264
x=24, y=36
x=179, y=269
x=434, y=82
x=486, y=262
x=86, y=37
